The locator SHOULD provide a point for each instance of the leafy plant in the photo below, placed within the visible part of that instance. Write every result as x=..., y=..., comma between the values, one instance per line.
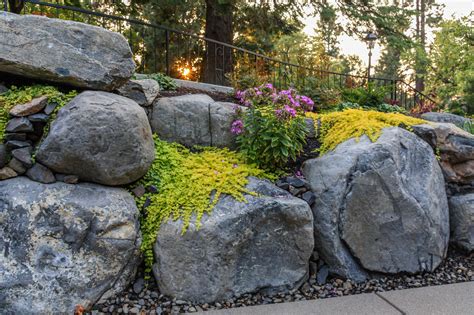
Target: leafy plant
x=188, y=183
x=20, y=95
x=272, y=130
x=424, y=107
x=468, y=126
x=388, y=108
x=458, y=107
x=371, y=96
x=166, y=83
x=347, y=105
x=325, y=96
x=338, y=127
x=384, y=108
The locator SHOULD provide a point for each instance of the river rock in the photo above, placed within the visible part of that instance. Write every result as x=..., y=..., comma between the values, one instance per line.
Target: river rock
x=34, y=106
x=24, y=156
x=7, y=172
x=100, y=137
x=17, y=166
x=461, y=216
x=19, y=125
x=64, y=245
x=380, y=207
x=262, y=244
x=40, y=173
x=62, y=51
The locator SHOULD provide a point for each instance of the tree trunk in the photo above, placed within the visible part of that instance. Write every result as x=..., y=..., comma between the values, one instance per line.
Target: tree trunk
x=218, y=58
x=15, y=6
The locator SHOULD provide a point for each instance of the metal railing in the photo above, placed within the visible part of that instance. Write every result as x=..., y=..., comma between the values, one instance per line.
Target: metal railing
x=157, y=48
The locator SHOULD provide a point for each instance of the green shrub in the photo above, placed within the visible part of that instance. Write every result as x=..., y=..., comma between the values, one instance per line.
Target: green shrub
x=468, y=126
x=384, y=108
x=166, y=83
x=458, y=107
x=325, y=96
x=188, y=183
x=387, y=108
x=272, y=130
x=371, y=96
x=346, y=105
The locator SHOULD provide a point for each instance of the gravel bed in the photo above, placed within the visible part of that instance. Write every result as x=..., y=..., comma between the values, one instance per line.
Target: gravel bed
x=145, y=298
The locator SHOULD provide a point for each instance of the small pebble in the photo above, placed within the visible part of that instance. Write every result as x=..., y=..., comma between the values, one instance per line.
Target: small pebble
x=457, y=267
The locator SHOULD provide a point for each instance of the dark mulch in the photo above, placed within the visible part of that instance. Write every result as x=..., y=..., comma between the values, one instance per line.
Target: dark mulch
x=216, y=96
x=308, y=153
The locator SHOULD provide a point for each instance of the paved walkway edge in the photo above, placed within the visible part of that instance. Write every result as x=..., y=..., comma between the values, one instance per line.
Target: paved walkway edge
x=443, y=299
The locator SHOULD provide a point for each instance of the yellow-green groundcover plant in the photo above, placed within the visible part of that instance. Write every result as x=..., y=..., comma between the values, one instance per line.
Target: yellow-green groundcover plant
x=337, y=127
x=189, y=183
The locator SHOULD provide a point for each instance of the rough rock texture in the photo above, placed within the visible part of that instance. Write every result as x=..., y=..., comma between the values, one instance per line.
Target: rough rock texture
x=62, y=51
x=24, y=156
x=455, y=147
x=40, y=173
x=6, y=173
x=64, y=245
x=222, y=115
x=312, y=132
x=461, y=217
x=445, y=118
x=35, y=106
x=3, y=88
x=3, y=155
x=144, y=92
x=100, y=137
x=19, y=125
x=17, y=166
x=264, y=244
x=193, y=120
x=380, y=206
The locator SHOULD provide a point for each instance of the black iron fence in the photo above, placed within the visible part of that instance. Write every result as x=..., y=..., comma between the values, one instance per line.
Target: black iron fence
x=157, y=48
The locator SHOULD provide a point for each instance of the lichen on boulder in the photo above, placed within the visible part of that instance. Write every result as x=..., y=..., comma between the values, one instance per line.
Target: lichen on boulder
x=64, y=245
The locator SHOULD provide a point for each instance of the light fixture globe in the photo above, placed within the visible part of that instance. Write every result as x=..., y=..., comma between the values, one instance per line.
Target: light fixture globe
x=370, y=38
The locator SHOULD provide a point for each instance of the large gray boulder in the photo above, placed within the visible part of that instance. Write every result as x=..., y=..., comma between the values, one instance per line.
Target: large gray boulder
x=380, y=207
x=64, y=245
x=461, y=216
x=445, y=118
x=263, y=244
x=63, y=51
x=222, y=114
x=455, y=148
x=194, y=120
x=100, y=137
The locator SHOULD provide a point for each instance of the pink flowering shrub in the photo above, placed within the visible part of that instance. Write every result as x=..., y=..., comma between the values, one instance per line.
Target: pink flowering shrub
x=272, y=130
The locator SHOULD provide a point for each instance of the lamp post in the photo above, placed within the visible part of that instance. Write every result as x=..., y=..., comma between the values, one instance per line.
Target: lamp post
x=370, y=39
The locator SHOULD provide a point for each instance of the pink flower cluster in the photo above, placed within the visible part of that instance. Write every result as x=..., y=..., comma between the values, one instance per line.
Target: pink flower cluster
x=286, y=104
x=237, y=127
x=267, y=94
